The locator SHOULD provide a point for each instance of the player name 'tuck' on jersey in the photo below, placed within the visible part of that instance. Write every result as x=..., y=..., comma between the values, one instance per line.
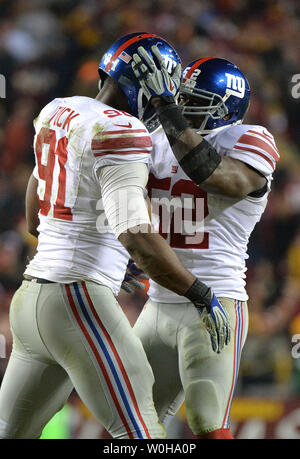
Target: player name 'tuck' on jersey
x=75, y=137
x=209, y=232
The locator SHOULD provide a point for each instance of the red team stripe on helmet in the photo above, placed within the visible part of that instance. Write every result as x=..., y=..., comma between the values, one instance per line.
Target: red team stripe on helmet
x=121, y=142
x=121, y=366
x=196, y=65
x=124, y=46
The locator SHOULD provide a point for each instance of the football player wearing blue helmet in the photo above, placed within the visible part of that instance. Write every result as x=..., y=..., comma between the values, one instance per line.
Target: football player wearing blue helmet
x=116, y=63
x=214, y=95
x=67, y=329
x=214, y=91
x=221, y=170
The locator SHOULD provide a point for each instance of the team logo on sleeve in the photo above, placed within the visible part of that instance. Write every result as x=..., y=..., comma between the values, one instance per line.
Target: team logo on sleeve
x=236, y=85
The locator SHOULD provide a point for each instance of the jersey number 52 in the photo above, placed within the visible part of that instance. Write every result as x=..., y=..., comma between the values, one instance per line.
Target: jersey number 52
x=178, y=212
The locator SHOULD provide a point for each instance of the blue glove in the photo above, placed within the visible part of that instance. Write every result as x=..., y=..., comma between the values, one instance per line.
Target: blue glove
x=215, y=319
x=155, y=81
x=212, y=313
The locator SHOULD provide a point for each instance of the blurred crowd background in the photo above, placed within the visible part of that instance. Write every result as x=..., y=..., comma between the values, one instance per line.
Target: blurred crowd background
x=51, y=48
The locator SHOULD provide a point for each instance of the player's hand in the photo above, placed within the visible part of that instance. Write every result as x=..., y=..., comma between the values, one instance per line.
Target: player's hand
x=131, y=281
x=216, y=321
x=155, y=81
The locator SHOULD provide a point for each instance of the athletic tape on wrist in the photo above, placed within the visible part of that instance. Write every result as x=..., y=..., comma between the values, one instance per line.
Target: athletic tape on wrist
x=199, y=294
x=200, y=162
x=172, y=120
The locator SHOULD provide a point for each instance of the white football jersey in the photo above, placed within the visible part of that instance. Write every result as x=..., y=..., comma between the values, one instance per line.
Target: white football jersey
x=209, y=232
x=74, y=137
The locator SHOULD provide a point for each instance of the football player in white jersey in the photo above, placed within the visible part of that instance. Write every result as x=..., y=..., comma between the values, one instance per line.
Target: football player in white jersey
x=68, y=329
x=217, y=171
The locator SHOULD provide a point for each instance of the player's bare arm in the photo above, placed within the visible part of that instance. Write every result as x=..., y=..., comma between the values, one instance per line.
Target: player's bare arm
x=234, y=178
x=32, y=206
x=152, y=254
x=159, y=261
x=229, y=176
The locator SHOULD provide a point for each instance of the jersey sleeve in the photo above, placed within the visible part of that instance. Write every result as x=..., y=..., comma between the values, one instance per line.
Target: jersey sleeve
x=122, y=189
x=256, y=147
x=126, y=140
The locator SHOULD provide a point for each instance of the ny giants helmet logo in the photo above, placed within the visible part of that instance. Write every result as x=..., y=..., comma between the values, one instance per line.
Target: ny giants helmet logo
x=236, y=85
x=169, y=63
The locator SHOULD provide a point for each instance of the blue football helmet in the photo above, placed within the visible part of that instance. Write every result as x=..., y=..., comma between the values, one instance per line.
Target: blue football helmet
x=217, y=89
x=116, y=63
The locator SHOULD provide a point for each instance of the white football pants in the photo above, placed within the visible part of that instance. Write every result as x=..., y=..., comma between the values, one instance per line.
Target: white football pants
x=179, y=351
x=75, y=336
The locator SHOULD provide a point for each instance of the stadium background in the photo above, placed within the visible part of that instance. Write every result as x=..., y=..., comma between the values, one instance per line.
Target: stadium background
x=51, y=48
